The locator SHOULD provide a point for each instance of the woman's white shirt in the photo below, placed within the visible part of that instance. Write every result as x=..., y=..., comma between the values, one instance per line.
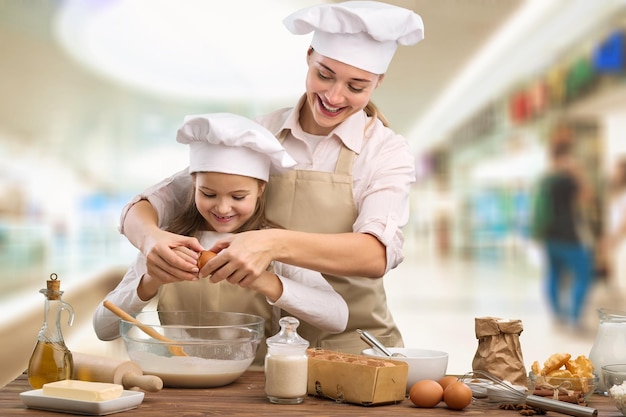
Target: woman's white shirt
x=383, y=171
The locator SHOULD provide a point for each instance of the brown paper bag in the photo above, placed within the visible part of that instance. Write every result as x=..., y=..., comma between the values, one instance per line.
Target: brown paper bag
x=499, y=351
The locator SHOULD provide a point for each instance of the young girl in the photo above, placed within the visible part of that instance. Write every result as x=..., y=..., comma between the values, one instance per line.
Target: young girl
x=230, y=159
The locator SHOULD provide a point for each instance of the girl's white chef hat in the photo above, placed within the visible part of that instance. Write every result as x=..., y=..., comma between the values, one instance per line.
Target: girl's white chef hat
x=364, y=34
x=232, y=144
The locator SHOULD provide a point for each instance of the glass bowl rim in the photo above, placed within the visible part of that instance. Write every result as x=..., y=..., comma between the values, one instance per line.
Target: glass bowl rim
x=593, y=380
x=254, y=320
x=609, y=368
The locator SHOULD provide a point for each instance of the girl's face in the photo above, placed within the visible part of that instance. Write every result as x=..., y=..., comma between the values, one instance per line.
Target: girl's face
x=334, y=91
x=226, y=201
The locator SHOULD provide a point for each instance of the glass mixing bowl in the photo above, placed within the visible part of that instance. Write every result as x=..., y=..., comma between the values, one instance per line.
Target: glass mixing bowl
x=190, y=349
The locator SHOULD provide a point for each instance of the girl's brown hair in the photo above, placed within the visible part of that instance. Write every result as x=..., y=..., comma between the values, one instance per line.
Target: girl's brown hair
x=190, y=221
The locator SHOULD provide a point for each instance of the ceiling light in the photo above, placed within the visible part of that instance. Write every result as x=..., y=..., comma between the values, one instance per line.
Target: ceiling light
x=190, y=49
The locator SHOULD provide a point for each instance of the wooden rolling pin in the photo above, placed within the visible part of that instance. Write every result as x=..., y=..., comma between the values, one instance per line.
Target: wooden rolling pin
x=103, y=369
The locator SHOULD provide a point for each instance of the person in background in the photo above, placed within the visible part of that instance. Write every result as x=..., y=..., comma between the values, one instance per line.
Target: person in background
x=229, y=163
x=563, y=195
x=344, y=206
x=615, y=243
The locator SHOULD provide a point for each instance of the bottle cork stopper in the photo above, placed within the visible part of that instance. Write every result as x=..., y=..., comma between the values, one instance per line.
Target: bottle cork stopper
x=53, y=287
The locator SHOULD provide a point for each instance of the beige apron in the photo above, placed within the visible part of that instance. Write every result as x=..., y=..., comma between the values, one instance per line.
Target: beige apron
x=323, y=202
x=203, y=295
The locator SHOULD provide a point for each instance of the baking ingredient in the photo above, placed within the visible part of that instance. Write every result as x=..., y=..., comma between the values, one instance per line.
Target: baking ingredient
x=191, y=371
x=205, y=256
x=426, y=393
x=49, y=363
x=82, y=390
x=286, y=364
x=618, y=393
x=609, y=347
x=447, y=380
x=289, y=376
x=457, y=395
x=51, y=360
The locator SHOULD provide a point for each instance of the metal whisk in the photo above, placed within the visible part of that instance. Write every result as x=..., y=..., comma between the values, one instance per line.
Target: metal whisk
x=377, y=345
x=543, y=403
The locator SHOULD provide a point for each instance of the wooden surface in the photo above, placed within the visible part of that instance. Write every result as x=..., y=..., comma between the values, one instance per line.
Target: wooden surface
x=245, y=397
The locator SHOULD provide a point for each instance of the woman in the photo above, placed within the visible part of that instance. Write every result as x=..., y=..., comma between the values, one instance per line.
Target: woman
x=345, y=204
x=229, y=163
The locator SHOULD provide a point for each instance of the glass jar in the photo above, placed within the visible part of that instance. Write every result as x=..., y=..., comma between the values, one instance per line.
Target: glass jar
x=51, y=360
x=609, y=346
x=286, y=364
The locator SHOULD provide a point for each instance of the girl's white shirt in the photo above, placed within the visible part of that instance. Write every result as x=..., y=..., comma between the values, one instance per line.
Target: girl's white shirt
x=306, y=295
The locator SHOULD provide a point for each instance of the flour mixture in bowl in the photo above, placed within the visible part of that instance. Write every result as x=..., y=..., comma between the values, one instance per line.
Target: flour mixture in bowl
x=212, y=352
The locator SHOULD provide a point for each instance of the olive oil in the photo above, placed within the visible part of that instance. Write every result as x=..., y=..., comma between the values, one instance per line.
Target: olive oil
x=51, y=360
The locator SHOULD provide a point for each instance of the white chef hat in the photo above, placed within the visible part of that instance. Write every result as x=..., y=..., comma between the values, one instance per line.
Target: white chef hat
x=364, y=34
x=232, y=144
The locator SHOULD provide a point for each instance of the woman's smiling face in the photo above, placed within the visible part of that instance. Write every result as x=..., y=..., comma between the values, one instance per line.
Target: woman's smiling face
x=335, y=91
x=226, y=201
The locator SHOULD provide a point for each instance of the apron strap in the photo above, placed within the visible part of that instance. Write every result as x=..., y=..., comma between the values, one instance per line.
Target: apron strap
x=345, y=161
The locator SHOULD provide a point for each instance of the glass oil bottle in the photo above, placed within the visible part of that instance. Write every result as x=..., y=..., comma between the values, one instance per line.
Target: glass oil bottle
x=51, y=360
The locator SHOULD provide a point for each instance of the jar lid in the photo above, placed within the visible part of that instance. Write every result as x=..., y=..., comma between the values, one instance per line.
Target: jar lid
x=288, y=337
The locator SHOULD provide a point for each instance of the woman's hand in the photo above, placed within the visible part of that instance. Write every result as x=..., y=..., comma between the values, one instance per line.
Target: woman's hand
x=241, y=259
x=244, y=256
x=166, y=264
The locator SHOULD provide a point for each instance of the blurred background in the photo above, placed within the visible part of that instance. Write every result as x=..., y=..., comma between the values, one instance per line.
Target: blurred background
x=93, y=92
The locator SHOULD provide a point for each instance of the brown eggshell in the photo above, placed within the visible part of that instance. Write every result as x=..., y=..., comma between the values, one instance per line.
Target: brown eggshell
x=447, y=380
x=426, y=393
x=457, y=395
x=205, y=256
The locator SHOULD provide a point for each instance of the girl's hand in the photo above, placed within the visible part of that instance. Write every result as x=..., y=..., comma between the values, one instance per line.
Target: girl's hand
x=150, y=283
x=166, y=264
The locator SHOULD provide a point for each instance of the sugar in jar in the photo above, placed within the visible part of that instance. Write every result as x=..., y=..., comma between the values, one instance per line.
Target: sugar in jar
x=286, y=364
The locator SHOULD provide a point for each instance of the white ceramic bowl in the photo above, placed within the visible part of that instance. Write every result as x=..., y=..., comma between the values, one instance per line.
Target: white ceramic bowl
x=423, y=363
x=220, y=346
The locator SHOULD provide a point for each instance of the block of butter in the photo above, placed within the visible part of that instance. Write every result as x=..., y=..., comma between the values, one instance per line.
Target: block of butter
x=83, y=390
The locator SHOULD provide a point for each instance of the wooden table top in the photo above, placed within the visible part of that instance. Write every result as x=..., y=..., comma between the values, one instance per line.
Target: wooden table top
x=246, y=397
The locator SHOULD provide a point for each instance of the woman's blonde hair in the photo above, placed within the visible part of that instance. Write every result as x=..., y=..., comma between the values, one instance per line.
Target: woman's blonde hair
x=372, y=111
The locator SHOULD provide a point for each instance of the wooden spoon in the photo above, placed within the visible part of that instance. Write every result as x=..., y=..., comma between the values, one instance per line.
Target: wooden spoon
x=175, y=350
